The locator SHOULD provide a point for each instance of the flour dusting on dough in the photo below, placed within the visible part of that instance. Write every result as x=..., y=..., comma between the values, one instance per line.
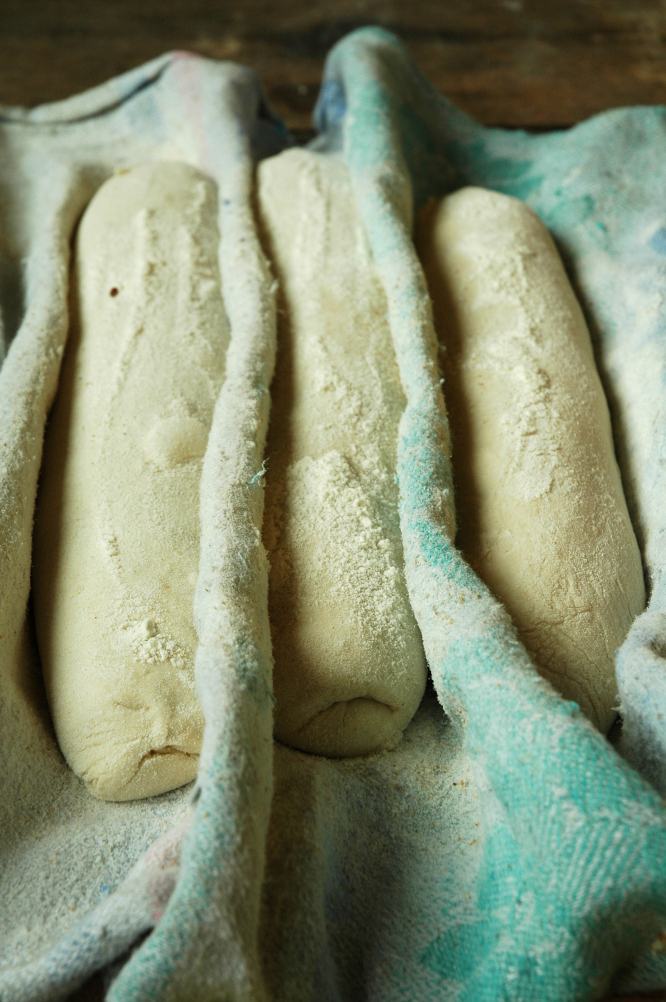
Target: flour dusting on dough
x=117, y=528
x=541, y=512
x=349, y=664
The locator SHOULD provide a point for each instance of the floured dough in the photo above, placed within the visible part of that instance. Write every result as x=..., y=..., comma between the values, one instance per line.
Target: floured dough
x=349, y=663
x=541, y=512
x=116, y=545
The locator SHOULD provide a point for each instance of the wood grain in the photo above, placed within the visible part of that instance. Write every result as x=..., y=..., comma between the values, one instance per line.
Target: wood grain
x=527, y=63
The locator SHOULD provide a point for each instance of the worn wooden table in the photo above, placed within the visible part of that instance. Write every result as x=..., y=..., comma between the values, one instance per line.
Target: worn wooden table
x=531, y=64
x=528, y=63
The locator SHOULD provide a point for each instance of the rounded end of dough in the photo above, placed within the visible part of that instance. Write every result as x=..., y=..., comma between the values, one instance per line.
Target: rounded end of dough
x=343, y=687
x=156, y=186
x=128, y=751
x=348, y=728
x=577, y=658
x=158, y=772
x=597, y=696
x=465, y=210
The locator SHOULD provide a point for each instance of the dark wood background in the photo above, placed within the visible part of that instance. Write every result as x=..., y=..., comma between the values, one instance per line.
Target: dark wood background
x=530, y=63
x=534, y=64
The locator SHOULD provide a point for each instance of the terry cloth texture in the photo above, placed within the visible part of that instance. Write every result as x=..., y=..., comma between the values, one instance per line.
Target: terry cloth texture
x=599, y=188
x=77, y=886
x=503, y=850
x=574, y=861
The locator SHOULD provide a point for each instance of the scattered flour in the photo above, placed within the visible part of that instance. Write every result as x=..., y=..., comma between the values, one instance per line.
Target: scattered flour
x=541, y=513
x=349, y=663
x=116, y=546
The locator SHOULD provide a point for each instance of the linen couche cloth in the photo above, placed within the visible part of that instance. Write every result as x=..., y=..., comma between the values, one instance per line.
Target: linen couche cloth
x=504, y=850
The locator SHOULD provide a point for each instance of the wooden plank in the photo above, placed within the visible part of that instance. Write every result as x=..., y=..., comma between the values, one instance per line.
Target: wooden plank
x=318, y=23
x=530, y=64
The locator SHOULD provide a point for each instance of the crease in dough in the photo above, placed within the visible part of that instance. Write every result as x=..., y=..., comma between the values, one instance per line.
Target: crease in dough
x=541, y=512
x=116, y=542
x=349, y=667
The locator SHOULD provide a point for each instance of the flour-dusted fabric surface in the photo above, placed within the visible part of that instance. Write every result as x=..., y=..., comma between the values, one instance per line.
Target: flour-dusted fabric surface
x=533, y=452
x=77, y=887
x=571, y=888
x=349, y=670
x=599, y=188
x=116, y=537
x=504, y=851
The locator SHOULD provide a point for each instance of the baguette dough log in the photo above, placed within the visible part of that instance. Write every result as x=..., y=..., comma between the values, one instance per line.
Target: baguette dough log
x=116, y=548
x=349, y=664
x=541, y=512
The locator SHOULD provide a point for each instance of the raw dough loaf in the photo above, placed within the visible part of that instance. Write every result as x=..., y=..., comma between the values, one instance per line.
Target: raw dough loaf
x=541, y=512
x=349, y=663
x=116, y=547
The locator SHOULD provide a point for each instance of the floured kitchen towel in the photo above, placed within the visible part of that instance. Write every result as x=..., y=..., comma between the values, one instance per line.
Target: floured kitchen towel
x=63, y=852
x=574, y=859
x=599, y=188
x=503, y=850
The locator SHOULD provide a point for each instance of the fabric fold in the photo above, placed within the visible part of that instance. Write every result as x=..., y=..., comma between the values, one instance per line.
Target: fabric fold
x=66, y=854
x=503, y=848
x=576, y=851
